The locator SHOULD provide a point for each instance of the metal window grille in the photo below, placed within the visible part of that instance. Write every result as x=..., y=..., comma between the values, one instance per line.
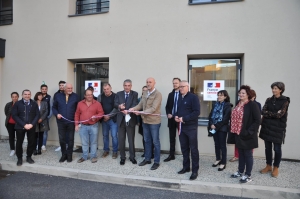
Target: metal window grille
x=91, y=6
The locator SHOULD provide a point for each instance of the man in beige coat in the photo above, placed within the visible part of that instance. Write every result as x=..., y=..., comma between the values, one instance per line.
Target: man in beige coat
x=150, y=104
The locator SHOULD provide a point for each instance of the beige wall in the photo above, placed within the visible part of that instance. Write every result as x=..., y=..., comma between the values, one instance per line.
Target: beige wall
x=154, y=38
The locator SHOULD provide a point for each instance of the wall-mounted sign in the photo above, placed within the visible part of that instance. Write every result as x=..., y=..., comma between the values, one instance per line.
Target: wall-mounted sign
x=96, y=84
x=211, y=89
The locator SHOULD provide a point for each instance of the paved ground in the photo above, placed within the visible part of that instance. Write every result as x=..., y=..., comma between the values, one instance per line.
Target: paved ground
x=35, y=186
x=288, y=178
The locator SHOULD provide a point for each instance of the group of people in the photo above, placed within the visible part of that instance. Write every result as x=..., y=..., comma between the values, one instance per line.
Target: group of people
x=120, y=112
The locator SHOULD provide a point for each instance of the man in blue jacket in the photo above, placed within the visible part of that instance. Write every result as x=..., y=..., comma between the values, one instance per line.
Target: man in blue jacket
x=26, y=114
x=188, y=110
x=64, y=108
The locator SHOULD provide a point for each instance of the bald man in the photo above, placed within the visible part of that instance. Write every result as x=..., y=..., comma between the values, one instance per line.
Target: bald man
x=150, y=104
x=65, y=106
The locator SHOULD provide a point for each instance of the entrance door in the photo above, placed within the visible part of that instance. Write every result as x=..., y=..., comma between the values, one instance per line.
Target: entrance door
x=90, y=71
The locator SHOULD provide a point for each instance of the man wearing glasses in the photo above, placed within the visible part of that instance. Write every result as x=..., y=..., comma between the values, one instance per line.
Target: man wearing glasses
x=188, y=110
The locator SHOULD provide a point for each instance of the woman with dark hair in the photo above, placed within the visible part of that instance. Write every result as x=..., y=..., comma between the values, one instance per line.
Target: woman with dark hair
x=218, y=125
x=245, y=121
x=10, y=122
x=254, y=99
x=273, y=127
x=42, y=124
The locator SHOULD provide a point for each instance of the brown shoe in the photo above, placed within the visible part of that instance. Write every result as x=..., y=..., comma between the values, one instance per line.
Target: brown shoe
x=94, y=160
x=233, y=159
x=266, y=169
x=80, y=160
x=114, y=155
x=275, y=172
x=105, y=153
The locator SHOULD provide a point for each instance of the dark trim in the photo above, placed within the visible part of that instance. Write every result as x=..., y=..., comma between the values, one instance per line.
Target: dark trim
x=78, y=15
x=289, y=160
x=212, y=2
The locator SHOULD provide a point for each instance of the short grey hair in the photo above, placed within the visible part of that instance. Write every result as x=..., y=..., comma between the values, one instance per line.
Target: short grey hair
x=127, y=80
x=185, y=82
x=279, y=85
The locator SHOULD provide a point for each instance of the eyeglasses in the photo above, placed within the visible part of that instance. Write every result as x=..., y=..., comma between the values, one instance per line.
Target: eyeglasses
x=182, y=86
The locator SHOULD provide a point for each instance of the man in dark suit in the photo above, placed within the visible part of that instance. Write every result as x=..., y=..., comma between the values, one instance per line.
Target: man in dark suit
x=26, y=114
x=126, y=121
x=187, y=114
x=171, y=108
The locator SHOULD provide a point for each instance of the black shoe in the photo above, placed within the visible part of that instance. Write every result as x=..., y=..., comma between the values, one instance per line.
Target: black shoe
x=154, y=166
x=39, y=152
x=221, y=169
x=143, y=155
x=35, y=152
x=144, y=162
x=171, y=157
x=122, y=162
x=214, y=165
x=29, y=160
x=63, y=158
x=194, y=176
x=133, y=161
x=20, y=162
x=69, y=158
x=182, y=171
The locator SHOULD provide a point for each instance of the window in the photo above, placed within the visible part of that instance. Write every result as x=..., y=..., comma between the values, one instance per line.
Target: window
x=92, y=6
x=6, y=14
x=226, y=71
x=191, y=2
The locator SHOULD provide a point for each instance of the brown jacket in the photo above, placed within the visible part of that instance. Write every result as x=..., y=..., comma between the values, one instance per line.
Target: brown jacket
x=150, y=105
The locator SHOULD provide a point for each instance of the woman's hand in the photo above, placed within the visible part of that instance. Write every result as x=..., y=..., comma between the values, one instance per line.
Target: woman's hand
x=212, y=127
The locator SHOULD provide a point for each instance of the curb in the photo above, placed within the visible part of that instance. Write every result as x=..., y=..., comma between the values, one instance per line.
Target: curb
x=237, y=190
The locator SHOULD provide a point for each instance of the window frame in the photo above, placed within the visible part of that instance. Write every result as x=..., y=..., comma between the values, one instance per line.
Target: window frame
x=78, y=11
x=212, y=2
x=203, y=121
x=12, y=19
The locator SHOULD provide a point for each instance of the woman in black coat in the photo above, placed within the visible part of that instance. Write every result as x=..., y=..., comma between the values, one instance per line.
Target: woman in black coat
x=273, y=126
x=10, y=122
x=245, y=121
x=218, y=126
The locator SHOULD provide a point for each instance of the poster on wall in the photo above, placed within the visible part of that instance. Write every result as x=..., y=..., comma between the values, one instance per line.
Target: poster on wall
x=211, y=89
x=96, y=84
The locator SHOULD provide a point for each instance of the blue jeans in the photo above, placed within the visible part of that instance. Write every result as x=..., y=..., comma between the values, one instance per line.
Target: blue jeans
x=113, y=127
x=151, y=135
x=89, y=138
x=269, y=155
x=45, y=137
x=245, y=160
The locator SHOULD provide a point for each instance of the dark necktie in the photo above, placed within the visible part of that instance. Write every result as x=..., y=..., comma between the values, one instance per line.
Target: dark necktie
x=175, y=104
x=126, y=97
x=26, y=103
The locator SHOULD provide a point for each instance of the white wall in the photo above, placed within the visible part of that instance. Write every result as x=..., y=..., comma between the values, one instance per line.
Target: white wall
x=154, y=38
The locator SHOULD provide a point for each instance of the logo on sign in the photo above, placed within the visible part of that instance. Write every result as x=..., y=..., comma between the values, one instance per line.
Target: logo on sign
x=95, y=84
x=214, y=85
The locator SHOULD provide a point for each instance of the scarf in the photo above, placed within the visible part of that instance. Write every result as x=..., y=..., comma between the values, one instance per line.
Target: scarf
x=217, y=115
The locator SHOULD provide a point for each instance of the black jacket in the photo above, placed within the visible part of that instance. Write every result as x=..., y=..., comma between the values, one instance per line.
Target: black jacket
x=132, y=101
x=224, y=124
x=7, y=111
x=189, y=109
x=19, y=114
x=248, y=138
x=273, y=125
x=169, y=107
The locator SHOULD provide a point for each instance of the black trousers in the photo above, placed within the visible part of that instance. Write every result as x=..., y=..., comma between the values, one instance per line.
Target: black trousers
x=245, y=160
x=172, y=134
x=130, y=131
x=66, y=130
x=189, y=144
x=39, y=139
x=31, y=141
x=11, y=134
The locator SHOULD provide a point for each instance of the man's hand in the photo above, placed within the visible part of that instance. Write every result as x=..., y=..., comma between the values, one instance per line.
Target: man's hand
x=212, y=127
x=180, y=119
x=26, y=127
x=106, y=118
x=131, y=110
x=279, y=111
x=59, y=116
x=177, y=119
x=125, y=112
x=40, y=120
x=170, y=116
x=122, y=106
x=77, y=128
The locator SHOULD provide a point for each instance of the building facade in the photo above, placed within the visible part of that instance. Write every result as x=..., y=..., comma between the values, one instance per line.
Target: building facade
x=234, y=42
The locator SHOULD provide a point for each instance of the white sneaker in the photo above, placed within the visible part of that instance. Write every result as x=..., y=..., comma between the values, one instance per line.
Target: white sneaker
x=12, y=152
x=44, y=148
x=58, y=149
